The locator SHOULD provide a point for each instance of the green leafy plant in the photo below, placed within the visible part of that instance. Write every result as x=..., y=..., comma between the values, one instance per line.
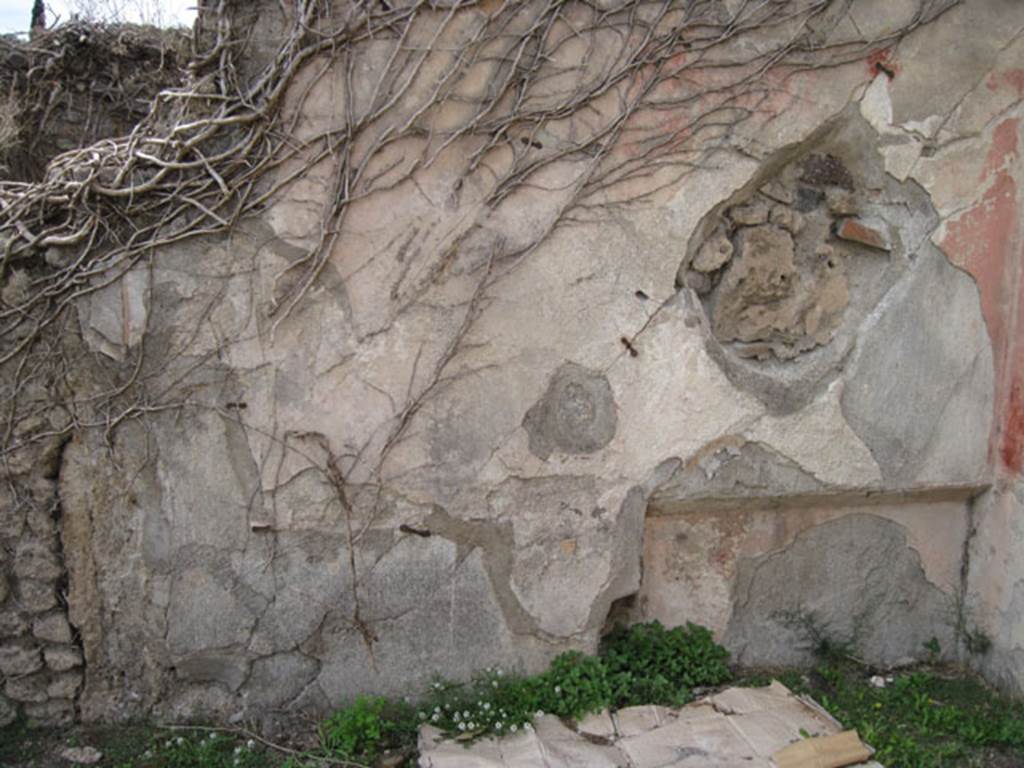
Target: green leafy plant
x=575, y=685
x=364, y=729
x=648, y=664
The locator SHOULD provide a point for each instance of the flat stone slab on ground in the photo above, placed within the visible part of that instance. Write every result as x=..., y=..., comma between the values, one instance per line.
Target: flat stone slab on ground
x=735, y=727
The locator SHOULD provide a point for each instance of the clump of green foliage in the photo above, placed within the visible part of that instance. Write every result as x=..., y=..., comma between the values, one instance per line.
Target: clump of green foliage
x=362, y=731
x=648, y=664
x=642, y=664
x=923, y=719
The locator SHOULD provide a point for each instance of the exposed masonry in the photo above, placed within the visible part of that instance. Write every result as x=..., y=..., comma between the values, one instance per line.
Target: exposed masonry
x=40, y=655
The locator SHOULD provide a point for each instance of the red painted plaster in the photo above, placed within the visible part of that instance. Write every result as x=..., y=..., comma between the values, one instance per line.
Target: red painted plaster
x=883, y=60
x=984, y=240
x=1007, y=78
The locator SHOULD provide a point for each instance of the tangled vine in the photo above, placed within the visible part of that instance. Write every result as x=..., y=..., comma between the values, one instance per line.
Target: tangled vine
x=632, y=90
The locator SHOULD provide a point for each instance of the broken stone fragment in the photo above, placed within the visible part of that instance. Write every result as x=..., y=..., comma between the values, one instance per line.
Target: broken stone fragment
x=58, y=257
x=714, y=253
x=16, y=288
x=698, y=281
x=785, y=217
x=18, y=660
x=751, y=214
x=778, y=192
x=82, y=755
x=841, y=202
x=856, y=231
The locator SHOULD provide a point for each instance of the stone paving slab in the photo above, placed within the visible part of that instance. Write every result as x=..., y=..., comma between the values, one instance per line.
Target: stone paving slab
x=737, y=727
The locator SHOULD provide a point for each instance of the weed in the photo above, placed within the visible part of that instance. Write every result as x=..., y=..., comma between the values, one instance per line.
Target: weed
x=362, y=731
x=648, y=664
x=199, y=750
x=923, y=720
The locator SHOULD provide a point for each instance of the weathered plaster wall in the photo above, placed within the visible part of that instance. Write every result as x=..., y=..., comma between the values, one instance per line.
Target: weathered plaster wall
x=479, y=434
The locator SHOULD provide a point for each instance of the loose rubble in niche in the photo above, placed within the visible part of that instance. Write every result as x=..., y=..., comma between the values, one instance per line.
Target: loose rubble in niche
x=774, y=273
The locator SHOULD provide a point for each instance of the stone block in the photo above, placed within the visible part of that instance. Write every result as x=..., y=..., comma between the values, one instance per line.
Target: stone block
x=28, y=689
x=37, y=596
x=750, y=214
x=633, y=720
x=713, y=254
x=12, y=623
x=16, y=659
x=62, y=659
x=50, y=713
x=64, y=686
x=598, y=725
x=36, y=560
x=8, y=711
x=53, y=628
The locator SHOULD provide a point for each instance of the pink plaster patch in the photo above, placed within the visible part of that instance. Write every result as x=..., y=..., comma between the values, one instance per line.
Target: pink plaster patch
x=1008, y=78
x=984, y=241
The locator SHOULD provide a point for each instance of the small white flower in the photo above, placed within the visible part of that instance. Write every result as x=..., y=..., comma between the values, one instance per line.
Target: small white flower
x=513, y=728
x=437, y=709
x=558, y=689
x=457, y=717
x=540, y=713
x=472, y=726
x=423, y=715
x=498, y=672
x=527, y=727
x=238, y=750
x=250, y=743
x=466, y=714
x=179, y=741
x=494, y=683
x=435, y=717
x=498, y=726
x=487, y=705
x=462, y=726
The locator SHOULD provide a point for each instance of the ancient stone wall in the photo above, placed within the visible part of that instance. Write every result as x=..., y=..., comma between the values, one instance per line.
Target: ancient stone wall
x=78, y=83
x=542, y=318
